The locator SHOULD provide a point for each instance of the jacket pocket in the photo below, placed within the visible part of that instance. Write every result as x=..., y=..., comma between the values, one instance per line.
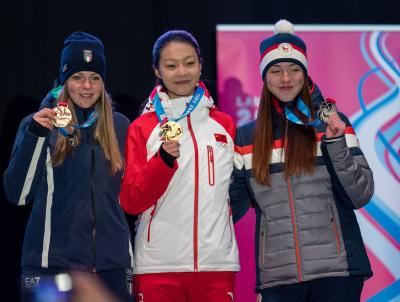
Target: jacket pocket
x=335, y=228
x=211, y=171
x=151, y=220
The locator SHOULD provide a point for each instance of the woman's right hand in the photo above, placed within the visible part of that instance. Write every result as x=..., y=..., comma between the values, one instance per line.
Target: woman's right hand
x=335, y=126
x=172, y=148
x=45, y=117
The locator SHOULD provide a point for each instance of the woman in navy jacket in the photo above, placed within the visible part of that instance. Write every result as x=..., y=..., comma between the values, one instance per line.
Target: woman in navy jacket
x=67, y=162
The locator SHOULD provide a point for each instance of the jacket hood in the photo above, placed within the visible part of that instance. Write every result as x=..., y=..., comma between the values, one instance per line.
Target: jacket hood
x=316, y=95
x=48, y=101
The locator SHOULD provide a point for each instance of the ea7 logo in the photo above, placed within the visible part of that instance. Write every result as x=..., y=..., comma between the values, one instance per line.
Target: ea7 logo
x=31, y=282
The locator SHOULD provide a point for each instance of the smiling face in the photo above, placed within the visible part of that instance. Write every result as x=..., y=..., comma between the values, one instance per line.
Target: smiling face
x=285, y=80
x=179, y=69
x=84, y=88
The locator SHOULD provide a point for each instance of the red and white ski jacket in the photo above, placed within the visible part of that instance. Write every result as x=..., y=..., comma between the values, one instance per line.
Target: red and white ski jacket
x=186, y=223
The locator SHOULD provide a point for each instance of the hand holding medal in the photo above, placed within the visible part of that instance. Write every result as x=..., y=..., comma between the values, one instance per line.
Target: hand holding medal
x=328, y=114
x=170, y=133
x=45, y=117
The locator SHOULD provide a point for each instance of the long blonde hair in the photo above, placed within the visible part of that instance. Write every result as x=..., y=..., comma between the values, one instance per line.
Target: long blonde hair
x=104, y=132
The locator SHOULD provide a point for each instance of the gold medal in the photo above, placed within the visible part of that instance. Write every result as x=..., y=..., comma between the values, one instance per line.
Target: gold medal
x=63, y=115
x=326, y=109
x=171, y=131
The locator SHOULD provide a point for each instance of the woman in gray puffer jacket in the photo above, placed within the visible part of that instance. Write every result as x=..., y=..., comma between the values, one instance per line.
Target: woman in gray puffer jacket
x=304, y=178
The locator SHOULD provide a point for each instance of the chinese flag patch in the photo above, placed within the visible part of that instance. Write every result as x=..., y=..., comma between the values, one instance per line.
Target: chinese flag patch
x=220, y=138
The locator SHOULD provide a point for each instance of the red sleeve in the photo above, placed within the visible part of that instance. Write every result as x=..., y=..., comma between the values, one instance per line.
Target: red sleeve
x=144, y=181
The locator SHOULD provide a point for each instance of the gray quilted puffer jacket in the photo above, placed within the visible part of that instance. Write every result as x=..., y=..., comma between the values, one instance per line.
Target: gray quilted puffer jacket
x=306, y=226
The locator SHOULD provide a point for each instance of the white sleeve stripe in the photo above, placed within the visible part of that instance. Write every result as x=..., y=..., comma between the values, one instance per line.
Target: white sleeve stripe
x=352, y=140
x=277, y=155
x=131, y=253
x=31, y=171
x=238, y=161
x=275, y=54
x=49, y=204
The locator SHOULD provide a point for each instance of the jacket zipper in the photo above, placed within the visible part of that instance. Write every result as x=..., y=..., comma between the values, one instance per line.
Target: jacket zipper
x=93, y=197
x=211, y=172
x=335, y=229
x=293, y=215
x=196, y=195
x=295, y=234
x=151, y=220
x=261, y=248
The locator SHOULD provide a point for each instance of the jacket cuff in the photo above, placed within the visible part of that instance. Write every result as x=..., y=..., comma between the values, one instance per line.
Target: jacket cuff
x=166, y=157
x=37, y=129
x=332, y=139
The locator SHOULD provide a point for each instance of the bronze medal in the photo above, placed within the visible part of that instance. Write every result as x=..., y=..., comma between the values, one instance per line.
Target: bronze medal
x=325, y=110
x=171, y=131
x=63, y=115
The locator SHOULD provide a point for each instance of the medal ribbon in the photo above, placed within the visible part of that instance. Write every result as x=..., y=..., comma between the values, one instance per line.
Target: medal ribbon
x=304, y=110
x=55, y=92
x=89, y=122
x=194, y=101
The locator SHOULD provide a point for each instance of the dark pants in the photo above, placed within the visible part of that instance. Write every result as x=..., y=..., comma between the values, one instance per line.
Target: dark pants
x=320, y=290
x=39, y=282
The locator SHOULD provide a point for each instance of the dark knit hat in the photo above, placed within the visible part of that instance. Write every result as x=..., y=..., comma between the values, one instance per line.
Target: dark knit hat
x=82, y=52
x=284, y=46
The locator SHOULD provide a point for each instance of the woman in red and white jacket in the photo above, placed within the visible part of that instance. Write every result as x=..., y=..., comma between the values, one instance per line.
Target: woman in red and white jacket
x=185, y=246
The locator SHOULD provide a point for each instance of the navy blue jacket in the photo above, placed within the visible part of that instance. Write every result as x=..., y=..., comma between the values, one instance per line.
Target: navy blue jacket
x=76, y=220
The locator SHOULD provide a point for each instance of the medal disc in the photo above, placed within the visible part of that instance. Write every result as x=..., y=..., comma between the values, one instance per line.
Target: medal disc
x=325, y=110
x=63, y=116
x=171, y=131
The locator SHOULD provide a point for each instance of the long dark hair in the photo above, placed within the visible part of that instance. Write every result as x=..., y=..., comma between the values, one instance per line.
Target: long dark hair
x=300, y=145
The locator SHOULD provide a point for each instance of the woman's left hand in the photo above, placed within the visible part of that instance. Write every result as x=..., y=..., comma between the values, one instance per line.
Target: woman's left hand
x=335, y=126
